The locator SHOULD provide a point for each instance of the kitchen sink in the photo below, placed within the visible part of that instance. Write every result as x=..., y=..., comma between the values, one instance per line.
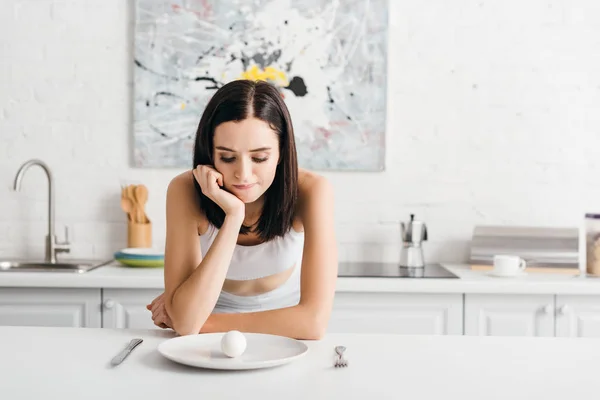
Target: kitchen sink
x=53, y=247
x=75, y=266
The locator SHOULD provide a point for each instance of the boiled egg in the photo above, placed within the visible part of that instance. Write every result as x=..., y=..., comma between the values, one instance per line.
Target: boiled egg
x=233, y=344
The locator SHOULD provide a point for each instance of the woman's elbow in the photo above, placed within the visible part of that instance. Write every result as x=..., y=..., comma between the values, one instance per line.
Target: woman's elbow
x=183, y=325
x=183, y=332
x=184, y=328
x=313, y=334
x=315, y=327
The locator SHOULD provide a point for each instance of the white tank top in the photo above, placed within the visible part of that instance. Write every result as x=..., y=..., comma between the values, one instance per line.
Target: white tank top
x=261, y=260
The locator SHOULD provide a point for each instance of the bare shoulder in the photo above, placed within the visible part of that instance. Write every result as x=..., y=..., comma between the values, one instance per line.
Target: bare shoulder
x=182, y=184
x=313, y=189
x=182, y=195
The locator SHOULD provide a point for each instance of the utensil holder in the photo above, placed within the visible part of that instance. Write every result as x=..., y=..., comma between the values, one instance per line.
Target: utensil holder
x=139, y=235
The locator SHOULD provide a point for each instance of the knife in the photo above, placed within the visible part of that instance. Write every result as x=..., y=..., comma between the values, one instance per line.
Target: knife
x=118, y=359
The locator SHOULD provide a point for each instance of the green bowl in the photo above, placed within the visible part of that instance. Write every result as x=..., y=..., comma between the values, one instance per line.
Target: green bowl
x=140, y=263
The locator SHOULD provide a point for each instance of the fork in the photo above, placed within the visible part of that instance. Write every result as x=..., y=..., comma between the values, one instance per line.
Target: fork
x=340, y=361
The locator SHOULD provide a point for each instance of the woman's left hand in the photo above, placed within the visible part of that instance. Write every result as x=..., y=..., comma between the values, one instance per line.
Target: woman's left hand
x=159, y=312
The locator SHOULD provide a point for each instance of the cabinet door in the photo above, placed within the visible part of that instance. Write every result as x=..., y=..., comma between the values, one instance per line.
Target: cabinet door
x=398, y=313
x=577, y=316
x=126, y=308
x=509, y=315
x=79, y=308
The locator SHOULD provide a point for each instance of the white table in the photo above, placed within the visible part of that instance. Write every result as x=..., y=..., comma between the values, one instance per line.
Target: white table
x=73, y=363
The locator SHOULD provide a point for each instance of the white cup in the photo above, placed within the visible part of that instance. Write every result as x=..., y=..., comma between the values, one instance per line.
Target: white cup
x=506, y=265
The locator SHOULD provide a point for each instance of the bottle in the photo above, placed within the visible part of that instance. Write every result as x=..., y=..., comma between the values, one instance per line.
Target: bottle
x=592, y=243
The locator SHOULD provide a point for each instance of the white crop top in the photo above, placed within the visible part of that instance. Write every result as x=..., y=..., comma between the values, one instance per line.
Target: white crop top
x=261, y=260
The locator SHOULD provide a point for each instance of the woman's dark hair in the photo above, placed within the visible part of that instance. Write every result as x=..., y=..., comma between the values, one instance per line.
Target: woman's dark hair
x=236, y=101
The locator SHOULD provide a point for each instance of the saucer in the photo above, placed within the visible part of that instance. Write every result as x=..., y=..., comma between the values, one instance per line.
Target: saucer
x=519, y=274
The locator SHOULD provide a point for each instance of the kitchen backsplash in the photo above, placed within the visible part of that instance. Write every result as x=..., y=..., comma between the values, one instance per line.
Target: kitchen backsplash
x=492, y=119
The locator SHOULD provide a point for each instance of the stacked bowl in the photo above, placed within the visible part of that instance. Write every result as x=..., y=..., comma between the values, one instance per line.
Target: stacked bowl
x=140, y=257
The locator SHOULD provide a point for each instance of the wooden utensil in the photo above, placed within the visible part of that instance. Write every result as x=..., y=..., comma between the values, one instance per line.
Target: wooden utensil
x=127, y=206
x=141, y=197
x=135, y=212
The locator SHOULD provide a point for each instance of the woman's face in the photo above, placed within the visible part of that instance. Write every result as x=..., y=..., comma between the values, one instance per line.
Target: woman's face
x=246, y=153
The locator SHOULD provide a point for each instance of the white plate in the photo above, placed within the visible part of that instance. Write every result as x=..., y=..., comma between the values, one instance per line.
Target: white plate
x=517, y=275
x=204, y=351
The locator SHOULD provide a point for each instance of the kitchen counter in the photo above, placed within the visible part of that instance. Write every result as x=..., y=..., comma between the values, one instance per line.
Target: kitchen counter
x=73, y=363
x=116, y=276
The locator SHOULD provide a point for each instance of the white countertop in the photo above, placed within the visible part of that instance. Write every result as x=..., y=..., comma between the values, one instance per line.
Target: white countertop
x=73, y=363
x=116, y=276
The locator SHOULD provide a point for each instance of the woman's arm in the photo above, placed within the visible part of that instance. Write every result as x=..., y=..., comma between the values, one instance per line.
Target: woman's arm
x=309, y=319
x=193, y=284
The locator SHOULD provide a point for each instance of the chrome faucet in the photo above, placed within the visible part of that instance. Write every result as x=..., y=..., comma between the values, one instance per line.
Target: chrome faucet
x=52, y=246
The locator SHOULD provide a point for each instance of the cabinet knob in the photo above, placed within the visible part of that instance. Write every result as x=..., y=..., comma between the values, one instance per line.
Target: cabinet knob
x=564, y=309
x=108, y=304
x=548, y=309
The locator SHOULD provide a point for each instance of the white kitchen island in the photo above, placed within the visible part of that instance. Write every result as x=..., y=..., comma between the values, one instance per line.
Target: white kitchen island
x=74, y=363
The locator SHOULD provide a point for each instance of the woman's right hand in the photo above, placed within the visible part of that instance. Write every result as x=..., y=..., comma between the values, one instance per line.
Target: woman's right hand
x=211, y=183
x=159, y=312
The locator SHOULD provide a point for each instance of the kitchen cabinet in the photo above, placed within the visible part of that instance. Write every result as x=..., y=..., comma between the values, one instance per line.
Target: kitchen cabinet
x=532, y=315
x=509, y=315
x=81, y=308
x=126, y=308
x=398, y=313
x=577, y=316
x=353, y=312
x=59, y=307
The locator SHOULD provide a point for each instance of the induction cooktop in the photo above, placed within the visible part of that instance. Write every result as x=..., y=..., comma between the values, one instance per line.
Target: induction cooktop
x=391, y=270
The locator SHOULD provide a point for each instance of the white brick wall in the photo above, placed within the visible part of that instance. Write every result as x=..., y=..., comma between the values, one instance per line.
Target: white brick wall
x=493, y=118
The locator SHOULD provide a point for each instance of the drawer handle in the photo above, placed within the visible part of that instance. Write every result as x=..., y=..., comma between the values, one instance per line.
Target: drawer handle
x=108, y=304
x=548, y=309
x=564, y=310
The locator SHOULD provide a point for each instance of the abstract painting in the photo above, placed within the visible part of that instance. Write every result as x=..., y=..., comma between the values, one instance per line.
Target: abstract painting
x=328, y=59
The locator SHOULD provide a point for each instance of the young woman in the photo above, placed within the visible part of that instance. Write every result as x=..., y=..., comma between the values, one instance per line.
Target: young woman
x=250, y=241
